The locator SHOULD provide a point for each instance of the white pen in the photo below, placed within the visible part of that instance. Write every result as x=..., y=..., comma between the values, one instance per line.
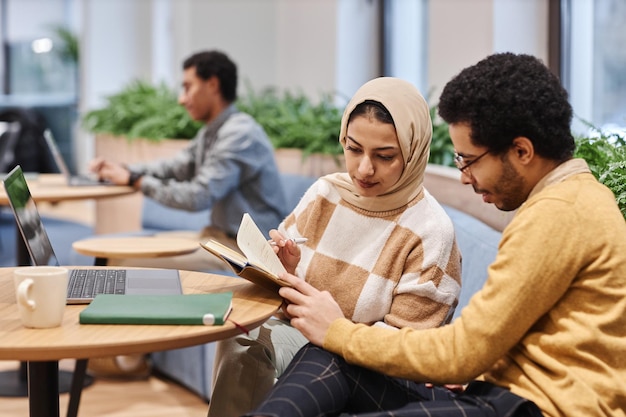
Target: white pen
x=297, y=241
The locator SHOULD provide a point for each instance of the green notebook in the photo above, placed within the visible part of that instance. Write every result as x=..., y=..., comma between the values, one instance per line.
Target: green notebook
x=202, y=309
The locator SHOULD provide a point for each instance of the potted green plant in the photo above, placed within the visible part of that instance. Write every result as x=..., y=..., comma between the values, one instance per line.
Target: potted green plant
x=605, y=154
x=441, y=148
x=304, y=133
x=151, y=113
x=142, y=110
x=292, y=120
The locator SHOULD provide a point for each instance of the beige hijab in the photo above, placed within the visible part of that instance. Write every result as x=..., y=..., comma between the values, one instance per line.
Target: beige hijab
x=411, y=117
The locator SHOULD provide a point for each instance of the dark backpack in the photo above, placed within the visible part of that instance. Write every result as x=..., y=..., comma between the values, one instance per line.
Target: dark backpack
x=23, y=142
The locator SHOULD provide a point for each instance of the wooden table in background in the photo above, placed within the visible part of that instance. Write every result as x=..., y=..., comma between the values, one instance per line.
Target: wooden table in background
x=103, y=249
x=43, y=348
x=53, y=188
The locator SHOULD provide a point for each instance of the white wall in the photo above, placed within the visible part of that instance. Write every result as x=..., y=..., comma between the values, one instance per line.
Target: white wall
x=39, y=14
x=521, y=26
x=285, y=43
x=313, y=46
x=356, y=59
x=289, y=44
x=115, y=47
x=406, y=47
x=462, y=32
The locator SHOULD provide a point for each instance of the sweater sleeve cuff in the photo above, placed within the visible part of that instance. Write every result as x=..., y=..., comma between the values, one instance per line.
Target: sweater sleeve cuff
x=149, y=185
x=338, y=335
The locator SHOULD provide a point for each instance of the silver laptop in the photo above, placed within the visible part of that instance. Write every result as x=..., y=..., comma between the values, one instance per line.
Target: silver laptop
x=84, y=284
x=71, y=179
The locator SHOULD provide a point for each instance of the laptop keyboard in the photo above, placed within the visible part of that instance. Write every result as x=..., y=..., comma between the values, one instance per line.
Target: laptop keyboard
x=87, y=283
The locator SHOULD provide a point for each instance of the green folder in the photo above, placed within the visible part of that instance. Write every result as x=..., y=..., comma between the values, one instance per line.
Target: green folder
x=199, y=309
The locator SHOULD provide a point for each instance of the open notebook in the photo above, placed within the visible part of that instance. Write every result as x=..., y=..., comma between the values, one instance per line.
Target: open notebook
x=258, y=264
x=86, y=283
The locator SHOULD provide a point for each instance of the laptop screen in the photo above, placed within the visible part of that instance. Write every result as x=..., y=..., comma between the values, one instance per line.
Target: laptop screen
x=28, y=219
x=56, y=154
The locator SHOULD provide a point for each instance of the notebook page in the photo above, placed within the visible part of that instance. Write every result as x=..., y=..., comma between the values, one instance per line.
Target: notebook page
x=256, y=247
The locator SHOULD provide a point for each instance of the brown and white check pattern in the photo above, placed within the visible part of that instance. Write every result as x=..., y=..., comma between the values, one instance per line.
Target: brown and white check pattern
x=398, y=268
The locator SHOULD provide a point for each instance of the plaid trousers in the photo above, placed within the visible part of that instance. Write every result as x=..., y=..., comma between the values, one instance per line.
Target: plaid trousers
x=320, y=383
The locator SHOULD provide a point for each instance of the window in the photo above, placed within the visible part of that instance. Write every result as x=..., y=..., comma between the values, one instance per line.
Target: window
x=594, y=61
x=405, y=43
x=39, y=63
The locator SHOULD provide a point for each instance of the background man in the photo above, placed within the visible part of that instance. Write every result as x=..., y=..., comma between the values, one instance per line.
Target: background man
x=229, y=167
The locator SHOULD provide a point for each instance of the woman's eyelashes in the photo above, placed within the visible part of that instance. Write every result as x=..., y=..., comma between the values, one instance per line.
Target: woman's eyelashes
x=382, y=157
x=353, y=149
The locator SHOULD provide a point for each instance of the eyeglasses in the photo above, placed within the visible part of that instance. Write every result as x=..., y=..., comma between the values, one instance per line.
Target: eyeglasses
x=459, y=161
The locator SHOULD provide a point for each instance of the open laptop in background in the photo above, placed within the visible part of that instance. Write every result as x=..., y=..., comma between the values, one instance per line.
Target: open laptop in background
x=76, y=180
x=84, y=284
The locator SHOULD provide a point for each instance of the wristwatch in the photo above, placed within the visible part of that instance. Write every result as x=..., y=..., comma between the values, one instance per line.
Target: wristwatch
x=134, y=177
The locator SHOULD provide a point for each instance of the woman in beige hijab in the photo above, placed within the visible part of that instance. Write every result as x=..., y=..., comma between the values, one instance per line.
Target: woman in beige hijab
x=377, y=241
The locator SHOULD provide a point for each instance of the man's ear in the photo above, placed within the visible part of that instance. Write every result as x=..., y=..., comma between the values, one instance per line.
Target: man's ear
x=213, y=82
x=523, y=150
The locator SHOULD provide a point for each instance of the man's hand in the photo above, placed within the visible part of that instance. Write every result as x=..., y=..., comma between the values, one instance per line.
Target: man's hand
x=311, y=311
x=110, y=171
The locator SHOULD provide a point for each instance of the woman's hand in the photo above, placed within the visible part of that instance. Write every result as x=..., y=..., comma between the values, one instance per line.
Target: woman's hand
x=287, y=250
x=311, y=311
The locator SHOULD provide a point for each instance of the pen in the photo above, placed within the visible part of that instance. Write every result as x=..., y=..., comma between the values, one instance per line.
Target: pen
x=297, y=241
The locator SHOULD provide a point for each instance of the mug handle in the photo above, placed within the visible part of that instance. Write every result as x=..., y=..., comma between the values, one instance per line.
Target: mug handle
x=22, y=294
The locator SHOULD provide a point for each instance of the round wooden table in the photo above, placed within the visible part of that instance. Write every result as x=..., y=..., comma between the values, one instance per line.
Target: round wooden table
x=133, y=247
x=54, y=188
x=43, y=348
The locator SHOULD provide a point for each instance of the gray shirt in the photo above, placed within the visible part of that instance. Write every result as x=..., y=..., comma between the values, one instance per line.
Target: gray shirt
x=229, y=168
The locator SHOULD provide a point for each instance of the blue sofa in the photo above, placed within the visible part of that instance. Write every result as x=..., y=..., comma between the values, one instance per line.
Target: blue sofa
x=193, y=366
x=61, y=233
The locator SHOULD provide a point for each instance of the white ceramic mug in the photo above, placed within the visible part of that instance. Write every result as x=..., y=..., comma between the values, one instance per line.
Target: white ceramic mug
x=41, y=293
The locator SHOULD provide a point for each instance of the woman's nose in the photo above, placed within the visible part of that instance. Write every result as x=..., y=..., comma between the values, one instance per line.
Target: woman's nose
x=365, y=166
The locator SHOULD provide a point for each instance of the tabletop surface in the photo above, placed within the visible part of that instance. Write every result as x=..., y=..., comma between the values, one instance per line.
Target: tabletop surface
x=252, y=305
x=53, y=188
x=135, y=247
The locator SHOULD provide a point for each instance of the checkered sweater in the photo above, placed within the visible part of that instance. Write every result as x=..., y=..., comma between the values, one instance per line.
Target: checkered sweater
x=392, y=268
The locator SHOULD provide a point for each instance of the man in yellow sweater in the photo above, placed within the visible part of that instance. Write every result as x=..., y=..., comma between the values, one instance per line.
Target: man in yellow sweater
x=546, y=335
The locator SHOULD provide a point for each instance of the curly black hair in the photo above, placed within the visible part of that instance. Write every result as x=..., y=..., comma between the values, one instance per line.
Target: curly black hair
x=215, y=63
x=505, y=96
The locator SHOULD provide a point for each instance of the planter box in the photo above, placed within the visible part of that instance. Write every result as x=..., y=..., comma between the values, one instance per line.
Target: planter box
x=293, y=161
x=445, y=185
x=123, y=214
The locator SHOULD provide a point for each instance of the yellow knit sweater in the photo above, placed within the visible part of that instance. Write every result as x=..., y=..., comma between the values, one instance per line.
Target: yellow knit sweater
x=550, y=322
